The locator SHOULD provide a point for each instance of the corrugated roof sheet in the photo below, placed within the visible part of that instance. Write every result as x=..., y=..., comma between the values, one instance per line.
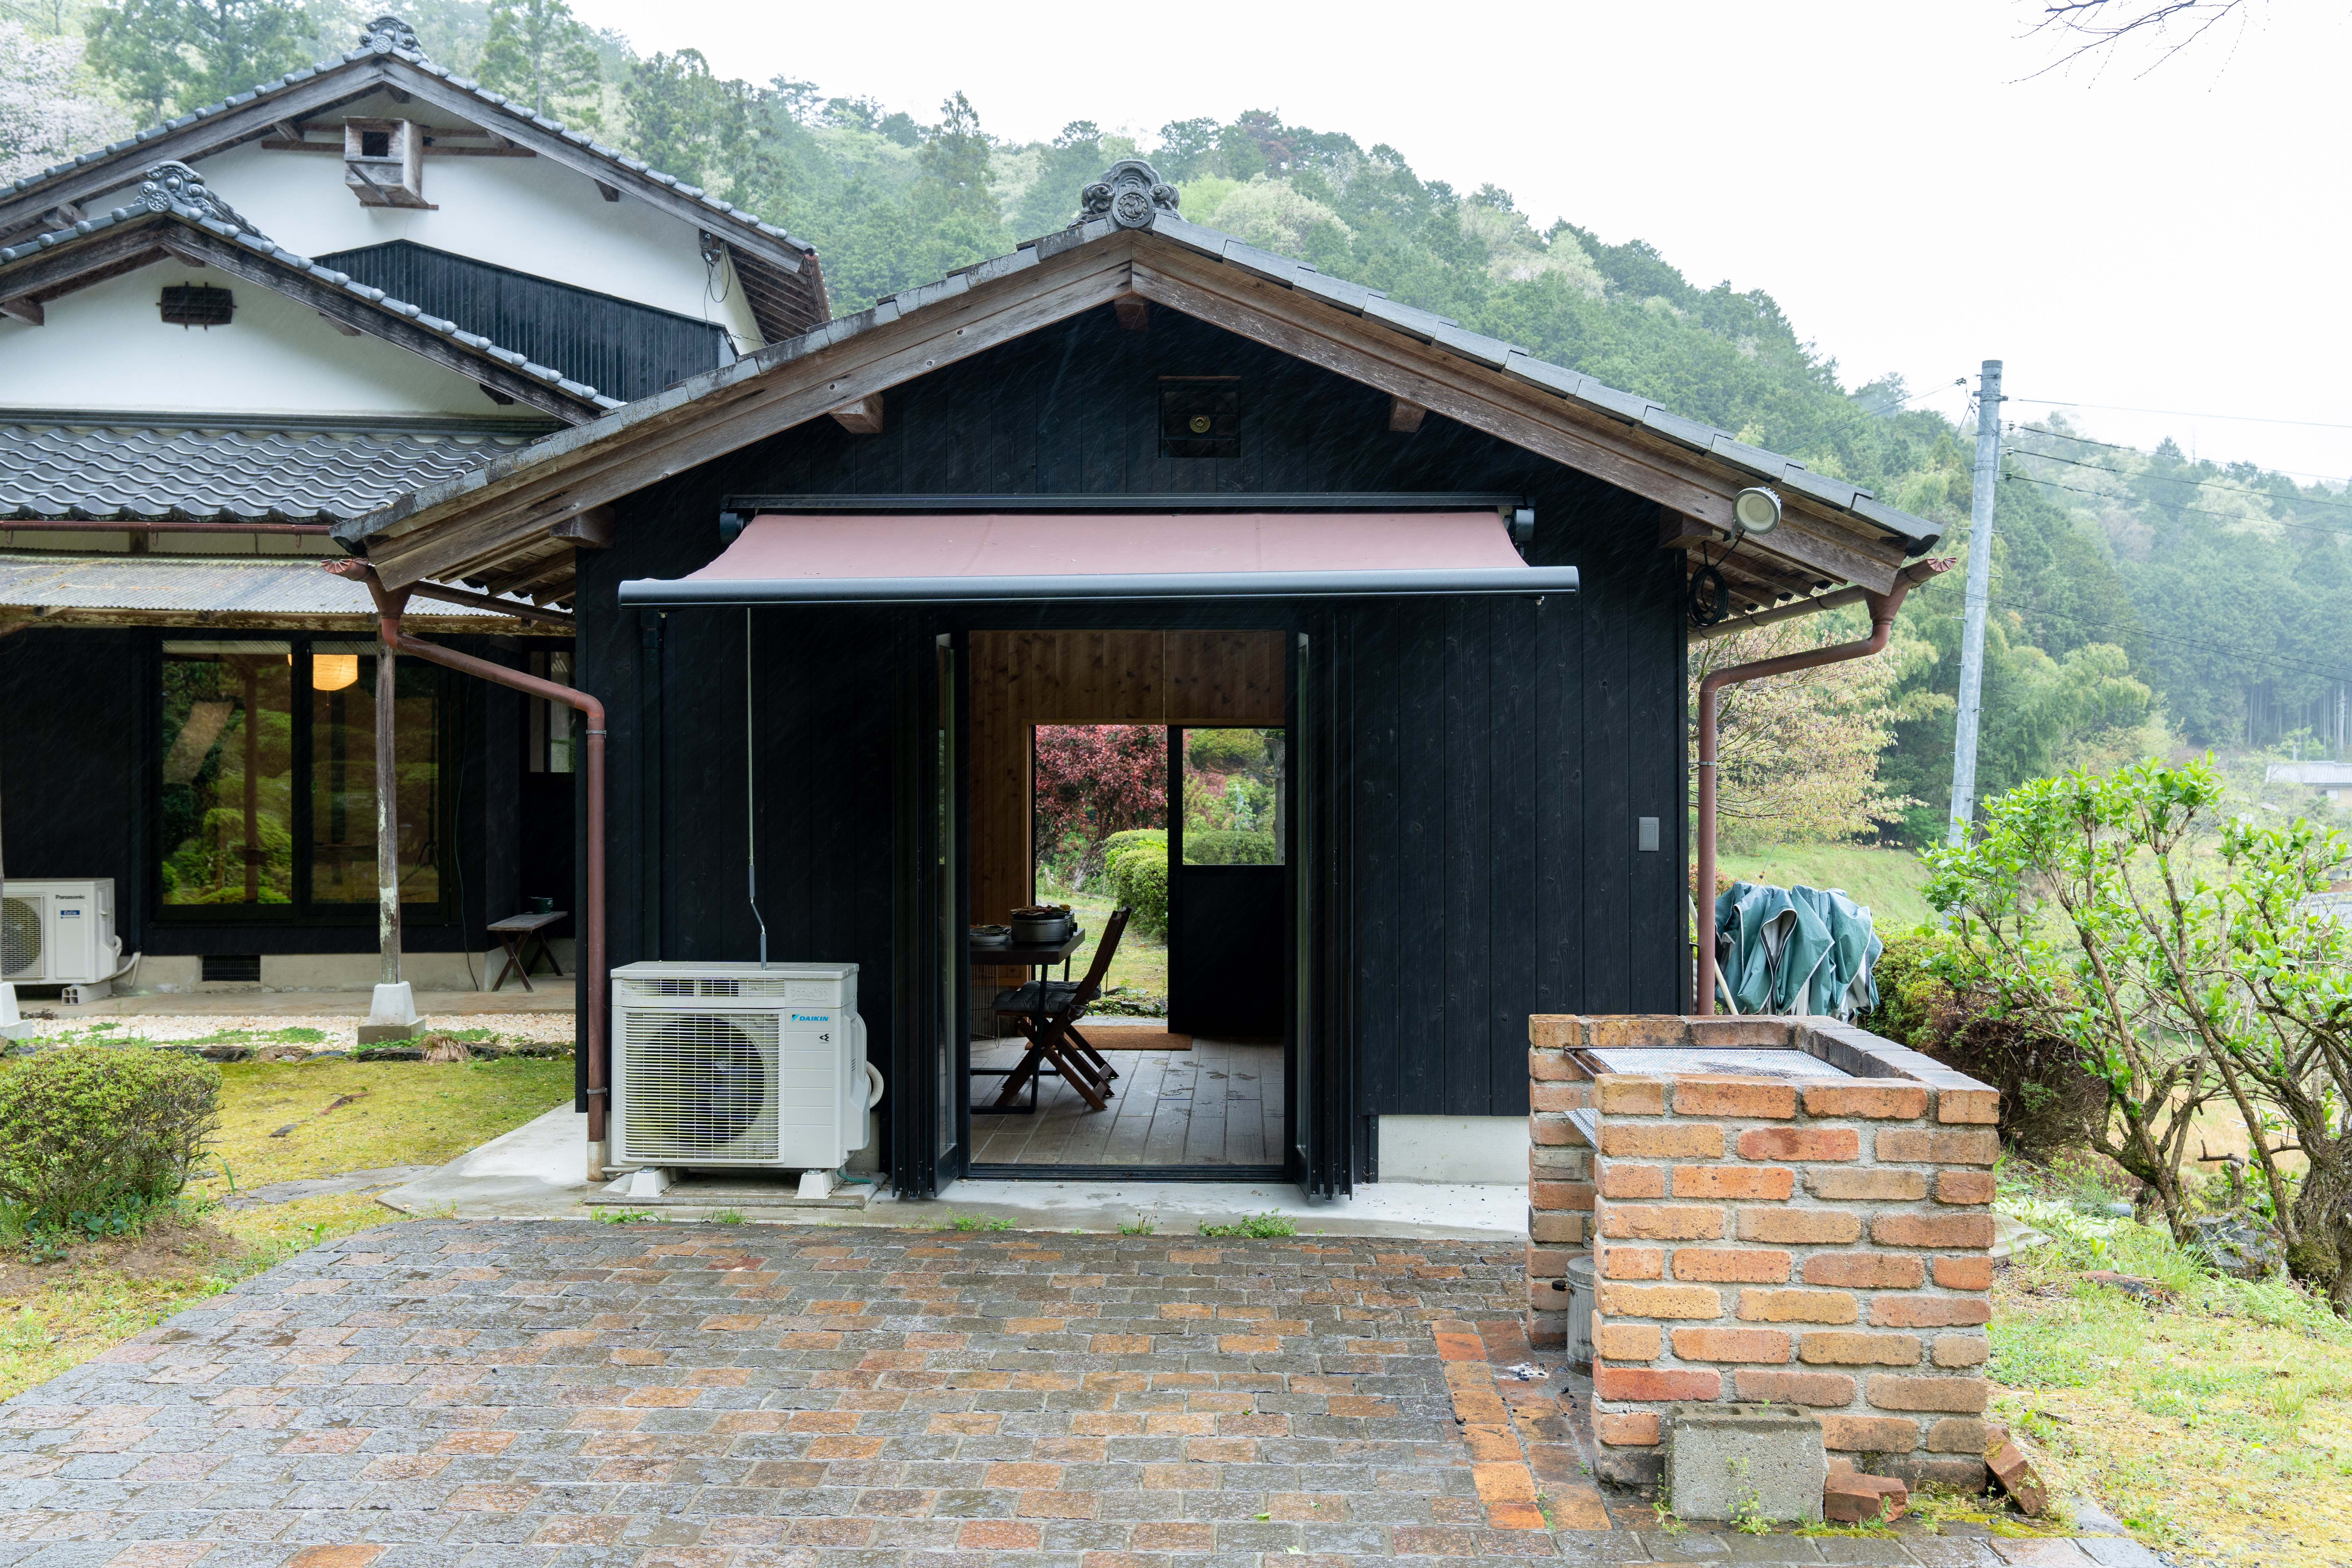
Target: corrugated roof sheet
x=228, y=476
x=190, y=584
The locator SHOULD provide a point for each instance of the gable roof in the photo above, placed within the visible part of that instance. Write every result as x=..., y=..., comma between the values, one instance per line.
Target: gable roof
x=495, y=524
x=175, y=216
x=780, y=274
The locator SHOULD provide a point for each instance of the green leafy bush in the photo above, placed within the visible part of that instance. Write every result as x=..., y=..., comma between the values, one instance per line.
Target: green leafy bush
x=1220, y=847
x=1135, y=865
x=2047, y=1102
x=1225, y=751
x=98, y=1130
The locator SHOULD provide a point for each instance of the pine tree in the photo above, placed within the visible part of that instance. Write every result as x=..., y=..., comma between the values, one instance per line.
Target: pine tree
x=538, y=55
x=172, y=56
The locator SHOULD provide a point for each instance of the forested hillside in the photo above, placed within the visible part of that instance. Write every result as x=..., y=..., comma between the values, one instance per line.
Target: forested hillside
x=2141, y=600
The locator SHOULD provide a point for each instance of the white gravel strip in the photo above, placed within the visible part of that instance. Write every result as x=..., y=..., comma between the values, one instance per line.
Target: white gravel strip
x=341, y=1029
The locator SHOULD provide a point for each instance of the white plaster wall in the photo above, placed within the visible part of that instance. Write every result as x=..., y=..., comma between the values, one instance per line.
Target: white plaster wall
x=531, y=215
x=107, y=347
x=1454, y=1148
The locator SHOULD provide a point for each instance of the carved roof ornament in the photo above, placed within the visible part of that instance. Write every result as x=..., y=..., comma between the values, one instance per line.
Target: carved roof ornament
x=174, y=184
x=1130, y=193
x=388, y=32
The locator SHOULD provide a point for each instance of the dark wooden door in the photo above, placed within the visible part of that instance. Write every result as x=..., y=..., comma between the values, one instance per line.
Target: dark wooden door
x=1227, y=951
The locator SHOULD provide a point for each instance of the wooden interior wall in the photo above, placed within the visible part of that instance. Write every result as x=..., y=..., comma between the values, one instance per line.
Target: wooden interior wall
x=1022, y=679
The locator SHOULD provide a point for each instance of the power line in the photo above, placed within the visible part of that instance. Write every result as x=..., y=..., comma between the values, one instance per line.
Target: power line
x=2199, y=511
x=2144, y=452
x=2182, y=413
x=2297, y=499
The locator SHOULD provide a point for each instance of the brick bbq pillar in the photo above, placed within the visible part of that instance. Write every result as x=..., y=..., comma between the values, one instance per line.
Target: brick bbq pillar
x=1822, y=1241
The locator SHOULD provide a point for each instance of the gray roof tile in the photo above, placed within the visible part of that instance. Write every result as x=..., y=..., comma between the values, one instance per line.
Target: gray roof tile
x=368, y=50
x=211, y=474
x=174, y=190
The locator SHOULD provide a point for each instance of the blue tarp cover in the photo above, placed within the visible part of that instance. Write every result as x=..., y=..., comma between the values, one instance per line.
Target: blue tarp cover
x=1794, y=950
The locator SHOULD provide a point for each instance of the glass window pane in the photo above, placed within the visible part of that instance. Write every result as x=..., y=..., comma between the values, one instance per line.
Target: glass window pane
x=342, y=776
x=228, y=774
x=1232, y=797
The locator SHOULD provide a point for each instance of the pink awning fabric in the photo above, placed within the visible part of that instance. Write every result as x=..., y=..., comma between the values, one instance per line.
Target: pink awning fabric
x=1030, y=545
x=1015, y=555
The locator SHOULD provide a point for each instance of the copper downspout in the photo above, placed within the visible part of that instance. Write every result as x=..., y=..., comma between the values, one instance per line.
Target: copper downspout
x=1882, y=626
x=388, y=606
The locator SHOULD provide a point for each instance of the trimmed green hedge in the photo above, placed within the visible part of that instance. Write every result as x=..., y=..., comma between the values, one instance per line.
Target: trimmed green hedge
x=1135, y=865
x=88, y=1129
x=1228, y=847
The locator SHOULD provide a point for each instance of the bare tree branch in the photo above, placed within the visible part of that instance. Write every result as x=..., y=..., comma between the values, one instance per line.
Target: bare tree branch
x=2091, y=27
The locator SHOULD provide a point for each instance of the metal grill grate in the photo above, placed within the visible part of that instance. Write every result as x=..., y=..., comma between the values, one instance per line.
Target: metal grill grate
x=698, y=1086
x=20, y=937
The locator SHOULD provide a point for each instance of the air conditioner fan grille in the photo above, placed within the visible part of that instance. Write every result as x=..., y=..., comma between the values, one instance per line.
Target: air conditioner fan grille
x=698, y=1086
x=20, y=937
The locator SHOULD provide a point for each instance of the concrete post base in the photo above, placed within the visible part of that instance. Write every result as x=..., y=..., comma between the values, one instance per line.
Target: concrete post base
x=1735, y=1461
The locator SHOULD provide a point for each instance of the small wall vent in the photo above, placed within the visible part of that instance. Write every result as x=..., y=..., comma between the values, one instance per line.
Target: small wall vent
x=196, y=305
x=232, y=969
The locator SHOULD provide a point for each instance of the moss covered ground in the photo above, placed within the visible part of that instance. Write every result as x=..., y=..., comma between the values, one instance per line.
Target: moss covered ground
x=279, y=1122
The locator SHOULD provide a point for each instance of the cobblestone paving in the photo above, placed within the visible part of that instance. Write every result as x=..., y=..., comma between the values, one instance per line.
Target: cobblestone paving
x=713, y=1397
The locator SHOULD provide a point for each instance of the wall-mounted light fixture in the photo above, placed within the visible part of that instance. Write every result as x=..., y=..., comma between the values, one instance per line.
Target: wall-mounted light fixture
x=1755, y=511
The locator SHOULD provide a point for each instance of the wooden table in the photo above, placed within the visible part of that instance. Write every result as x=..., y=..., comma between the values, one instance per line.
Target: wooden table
x=517, y=933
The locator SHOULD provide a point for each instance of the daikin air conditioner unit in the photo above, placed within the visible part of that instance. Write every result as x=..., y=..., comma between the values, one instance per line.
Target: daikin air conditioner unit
x=734, y=1065
x=59, y=933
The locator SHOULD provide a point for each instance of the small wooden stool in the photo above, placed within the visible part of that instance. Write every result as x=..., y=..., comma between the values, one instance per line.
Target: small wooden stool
x=517, y=933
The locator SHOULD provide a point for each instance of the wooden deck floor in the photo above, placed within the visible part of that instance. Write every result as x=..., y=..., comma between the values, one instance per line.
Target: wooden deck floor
x=1216, y=1104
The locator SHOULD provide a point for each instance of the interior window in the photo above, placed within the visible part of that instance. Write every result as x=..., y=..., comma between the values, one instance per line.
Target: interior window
x=342, y=776
x=550, y=721
x=1232, y=797
x=228, y=773
x=268, y=790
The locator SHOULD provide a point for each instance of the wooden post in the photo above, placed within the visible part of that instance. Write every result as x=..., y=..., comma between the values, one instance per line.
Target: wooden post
x=252, y=852
x=387, y=820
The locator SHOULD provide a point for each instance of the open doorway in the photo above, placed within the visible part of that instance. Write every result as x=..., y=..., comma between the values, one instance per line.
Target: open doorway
x=1124, y=801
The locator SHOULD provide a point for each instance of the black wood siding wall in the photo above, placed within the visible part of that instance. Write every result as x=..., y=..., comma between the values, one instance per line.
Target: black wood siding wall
x=77, y=716
x=1503, y=750
x=621, y=348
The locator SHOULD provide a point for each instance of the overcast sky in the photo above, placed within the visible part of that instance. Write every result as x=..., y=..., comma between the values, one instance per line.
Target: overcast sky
x=2165, y=239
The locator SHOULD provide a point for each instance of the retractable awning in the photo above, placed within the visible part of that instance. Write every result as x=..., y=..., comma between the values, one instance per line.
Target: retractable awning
x=866, y=558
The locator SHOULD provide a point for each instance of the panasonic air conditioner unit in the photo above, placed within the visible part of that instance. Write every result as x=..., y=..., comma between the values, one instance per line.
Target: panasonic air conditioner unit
x=736, y=1065
x=59, y=933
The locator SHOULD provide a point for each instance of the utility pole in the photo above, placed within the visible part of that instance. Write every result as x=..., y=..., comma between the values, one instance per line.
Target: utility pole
x=1972, y=626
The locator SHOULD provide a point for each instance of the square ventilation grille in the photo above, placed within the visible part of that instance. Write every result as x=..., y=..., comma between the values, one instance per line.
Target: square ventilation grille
x=196, y=305
x=231, y=969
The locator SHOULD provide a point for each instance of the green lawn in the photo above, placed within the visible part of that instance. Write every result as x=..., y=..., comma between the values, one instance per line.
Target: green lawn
x=1887, y=881
x=1140, y=964
x=278, y=1121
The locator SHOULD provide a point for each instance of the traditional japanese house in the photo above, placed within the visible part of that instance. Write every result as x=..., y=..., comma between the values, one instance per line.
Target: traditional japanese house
x=1141, y=473
x=222, y=336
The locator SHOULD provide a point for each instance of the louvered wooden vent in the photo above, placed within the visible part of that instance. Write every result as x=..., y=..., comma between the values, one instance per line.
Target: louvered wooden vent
x=383, y=162
x=196, y=305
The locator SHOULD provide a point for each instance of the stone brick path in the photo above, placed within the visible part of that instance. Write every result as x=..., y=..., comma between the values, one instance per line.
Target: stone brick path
x=674, y=1397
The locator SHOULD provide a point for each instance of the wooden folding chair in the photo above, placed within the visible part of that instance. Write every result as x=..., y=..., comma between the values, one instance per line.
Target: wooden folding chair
x=1046, y=1012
